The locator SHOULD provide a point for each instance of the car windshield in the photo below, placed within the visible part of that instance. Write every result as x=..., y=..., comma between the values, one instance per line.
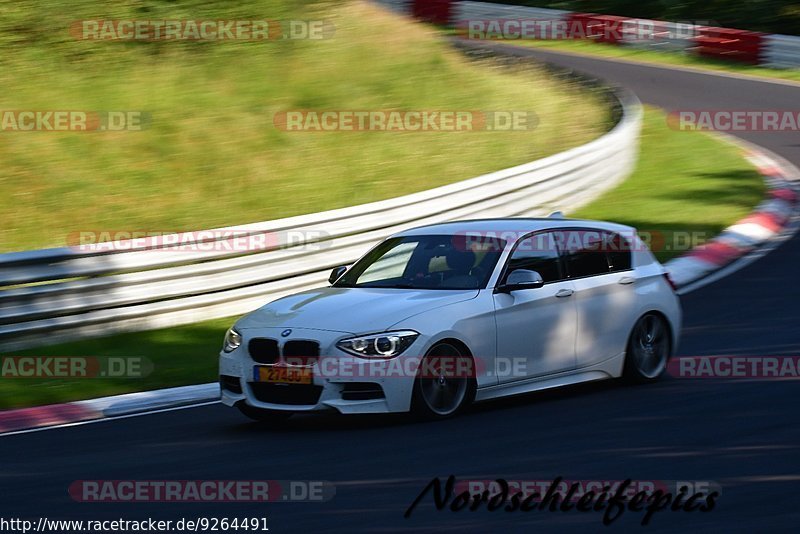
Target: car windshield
x=427, y=262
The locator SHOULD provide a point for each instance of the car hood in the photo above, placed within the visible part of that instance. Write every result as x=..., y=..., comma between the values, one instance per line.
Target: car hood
x=350, y=310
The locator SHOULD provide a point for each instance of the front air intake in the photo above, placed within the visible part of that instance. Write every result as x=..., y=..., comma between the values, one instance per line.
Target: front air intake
x=263, y=350
x=302, y=353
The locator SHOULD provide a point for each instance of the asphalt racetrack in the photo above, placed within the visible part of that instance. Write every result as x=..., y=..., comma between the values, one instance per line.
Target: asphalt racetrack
x=742, y=434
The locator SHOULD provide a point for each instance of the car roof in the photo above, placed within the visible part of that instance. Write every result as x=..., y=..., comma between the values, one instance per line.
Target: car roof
x=514, y=226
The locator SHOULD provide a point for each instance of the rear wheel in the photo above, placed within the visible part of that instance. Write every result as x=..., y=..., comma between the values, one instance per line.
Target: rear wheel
x=648, y=349
x=263, y=416
x=445, y=383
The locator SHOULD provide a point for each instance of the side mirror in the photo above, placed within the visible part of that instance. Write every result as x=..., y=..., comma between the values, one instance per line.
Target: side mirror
x=337, y=273
x=522, y=279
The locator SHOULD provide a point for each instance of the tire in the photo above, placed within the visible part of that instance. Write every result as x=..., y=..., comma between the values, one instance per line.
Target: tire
x=649, y=349
x=449, y=390
x=263, y=416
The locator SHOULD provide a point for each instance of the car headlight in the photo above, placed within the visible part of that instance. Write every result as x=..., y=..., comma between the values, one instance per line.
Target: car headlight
x=384, y=345
x=233, y=340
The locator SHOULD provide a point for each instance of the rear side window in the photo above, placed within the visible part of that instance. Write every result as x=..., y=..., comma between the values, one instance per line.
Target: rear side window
x=537, y=253
x=620, y=255
x=584, y=252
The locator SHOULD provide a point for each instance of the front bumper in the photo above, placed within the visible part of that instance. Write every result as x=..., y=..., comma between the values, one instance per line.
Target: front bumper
x=340, y=381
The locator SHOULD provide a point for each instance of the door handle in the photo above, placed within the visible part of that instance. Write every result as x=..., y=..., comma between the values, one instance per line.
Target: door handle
x=565, y=293
x=627, y=280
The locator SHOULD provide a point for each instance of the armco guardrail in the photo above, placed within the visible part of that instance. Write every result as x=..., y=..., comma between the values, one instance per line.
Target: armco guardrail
x=660, y=35
x=781, y=51
x=465, y=11
x=778, y=51
x=54, y=295
x=400, y=6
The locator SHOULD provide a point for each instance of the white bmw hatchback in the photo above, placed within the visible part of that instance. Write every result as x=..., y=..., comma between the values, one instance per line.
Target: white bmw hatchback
x=437, y=317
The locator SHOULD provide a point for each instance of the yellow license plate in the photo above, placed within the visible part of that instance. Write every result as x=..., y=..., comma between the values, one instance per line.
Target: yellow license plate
x=282, y=375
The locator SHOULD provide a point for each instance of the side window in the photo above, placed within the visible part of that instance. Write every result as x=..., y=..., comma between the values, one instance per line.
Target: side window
x=584, y=252
x=619, y=252
x=537, y=253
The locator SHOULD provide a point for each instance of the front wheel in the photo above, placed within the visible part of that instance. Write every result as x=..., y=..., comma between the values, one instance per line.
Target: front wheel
x=648, y=349
x=263, y=416
x=445, y=383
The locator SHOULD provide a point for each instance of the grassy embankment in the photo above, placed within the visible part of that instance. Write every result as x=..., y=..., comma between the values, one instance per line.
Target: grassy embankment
x=210, y=155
